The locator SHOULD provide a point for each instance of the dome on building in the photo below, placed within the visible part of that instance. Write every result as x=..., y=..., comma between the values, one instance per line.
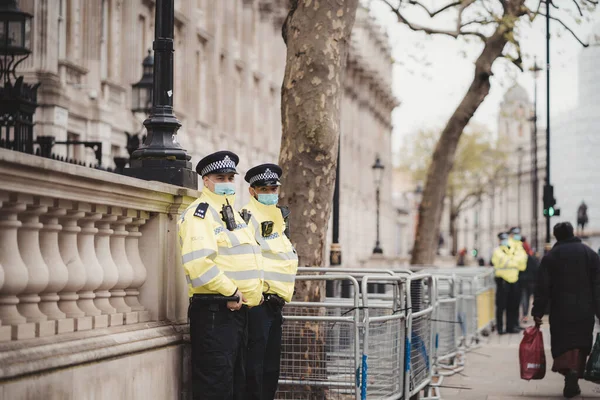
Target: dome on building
x=516, y=93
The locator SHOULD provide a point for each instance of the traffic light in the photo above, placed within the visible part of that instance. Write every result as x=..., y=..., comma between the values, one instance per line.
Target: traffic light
x=474, y=252
x=550, y=202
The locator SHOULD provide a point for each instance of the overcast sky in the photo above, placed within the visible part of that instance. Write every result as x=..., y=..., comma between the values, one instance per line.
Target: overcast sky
x=432, y=73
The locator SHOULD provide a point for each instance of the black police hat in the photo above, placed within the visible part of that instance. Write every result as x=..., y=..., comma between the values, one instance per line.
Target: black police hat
x=264, y=175
x=221, y=162
x=503, y=235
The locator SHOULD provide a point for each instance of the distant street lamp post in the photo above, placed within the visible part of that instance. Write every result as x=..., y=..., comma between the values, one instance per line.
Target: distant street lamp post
x=378, y=173
x=161, y=158
x=520, y=153
x=535, y=70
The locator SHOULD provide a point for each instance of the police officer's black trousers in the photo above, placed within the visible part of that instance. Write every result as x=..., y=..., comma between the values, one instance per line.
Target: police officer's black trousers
x=264, y=351
x=508, y=296
x=219, y=345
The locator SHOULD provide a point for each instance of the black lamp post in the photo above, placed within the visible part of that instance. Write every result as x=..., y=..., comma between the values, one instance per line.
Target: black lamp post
x=520, y=153
x=378, y=172
x=535, y=70
x=161, y=157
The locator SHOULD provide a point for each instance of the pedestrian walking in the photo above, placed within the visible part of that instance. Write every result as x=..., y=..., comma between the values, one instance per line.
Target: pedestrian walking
x=508, y=259
x=280, y=264
x=569, y=282
x=223, y=268
x=527, y=280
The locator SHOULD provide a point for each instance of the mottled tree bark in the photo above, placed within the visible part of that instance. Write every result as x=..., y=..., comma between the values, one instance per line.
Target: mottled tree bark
x=317, y=35
x=431, y=206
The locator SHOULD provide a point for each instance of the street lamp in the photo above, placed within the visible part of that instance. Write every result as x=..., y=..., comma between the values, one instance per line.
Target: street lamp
x=520, y=153
x=18, y=100
x=15, y=38
x=141, y=91
x=161, y=158
x=378, y=174
x=535, y=70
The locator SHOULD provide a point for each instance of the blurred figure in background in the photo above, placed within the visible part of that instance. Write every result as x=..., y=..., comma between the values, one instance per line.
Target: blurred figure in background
x=527, y=280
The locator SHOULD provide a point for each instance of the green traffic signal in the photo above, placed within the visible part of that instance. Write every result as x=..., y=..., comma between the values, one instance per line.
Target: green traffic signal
x=474, y=252
x=551, y=211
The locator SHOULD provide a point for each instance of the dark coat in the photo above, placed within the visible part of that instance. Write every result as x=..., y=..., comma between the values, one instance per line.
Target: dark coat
x=569, y=282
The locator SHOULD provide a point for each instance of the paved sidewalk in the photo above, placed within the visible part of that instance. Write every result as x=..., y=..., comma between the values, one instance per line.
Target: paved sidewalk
x=492, y=373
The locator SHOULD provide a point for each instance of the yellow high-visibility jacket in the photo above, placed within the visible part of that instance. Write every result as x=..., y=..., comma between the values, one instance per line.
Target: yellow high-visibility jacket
x=280, y=261
x=216, y=260
x=508, y=261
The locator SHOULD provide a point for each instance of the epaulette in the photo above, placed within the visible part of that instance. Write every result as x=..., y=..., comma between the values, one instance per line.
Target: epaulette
x=201, y=210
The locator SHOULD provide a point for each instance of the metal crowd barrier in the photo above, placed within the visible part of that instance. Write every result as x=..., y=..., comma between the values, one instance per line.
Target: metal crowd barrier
x=320, y=346
x=385, y=345
x=446, y=326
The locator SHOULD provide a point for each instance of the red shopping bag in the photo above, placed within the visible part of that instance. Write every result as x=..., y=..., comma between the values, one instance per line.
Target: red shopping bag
x=531, y=354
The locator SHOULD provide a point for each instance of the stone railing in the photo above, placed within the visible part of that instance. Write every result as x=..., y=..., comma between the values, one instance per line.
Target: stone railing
x=85, y=253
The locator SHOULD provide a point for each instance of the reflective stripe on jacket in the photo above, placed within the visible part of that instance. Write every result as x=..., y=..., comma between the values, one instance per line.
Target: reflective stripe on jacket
x=216, y=260
x=280, y=261
x=509, y=261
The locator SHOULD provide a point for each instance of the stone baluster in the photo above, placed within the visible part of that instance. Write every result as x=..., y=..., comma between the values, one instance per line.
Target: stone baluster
x=15, y=270
x=4, y=330
x=132, y=248
x=29, y=246
x=111, y=273
x=58, y=273
x=67, y=244
x=125, y=270
x=92, y=300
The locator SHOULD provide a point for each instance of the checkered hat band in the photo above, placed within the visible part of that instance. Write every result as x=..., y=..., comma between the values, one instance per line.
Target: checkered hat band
x=266, y=176
x=217, y=165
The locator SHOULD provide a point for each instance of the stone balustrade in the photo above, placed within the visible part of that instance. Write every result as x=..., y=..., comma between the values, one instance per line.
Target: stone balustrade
x=84, y=250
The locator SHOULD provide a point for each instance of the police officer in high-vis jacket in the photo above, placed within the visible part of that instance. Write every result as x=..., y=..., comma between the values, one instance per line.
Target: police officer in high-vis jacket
x=508, y=260
x=223, y=268
x=280, y=264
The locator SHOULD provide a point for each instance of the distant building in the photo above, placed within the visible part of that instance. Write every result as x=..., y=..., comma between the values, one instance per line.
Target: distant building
x=575, y=144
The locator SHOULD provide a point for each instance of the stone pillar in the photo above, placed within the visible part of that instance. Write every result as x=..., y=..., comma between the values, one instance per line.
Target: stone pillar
x=29, y=247
x=111, y=272
x=139, y=269
x=124, y=268
x=67, y=242
x=91, y=300
x=15, y=270
x=58, y=273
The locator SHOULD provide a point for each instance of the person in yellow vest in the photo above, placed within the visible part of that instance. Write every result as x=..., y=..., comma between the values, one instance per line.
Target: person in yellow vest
x=508, y=262
x=223, y=268
x=280, y=264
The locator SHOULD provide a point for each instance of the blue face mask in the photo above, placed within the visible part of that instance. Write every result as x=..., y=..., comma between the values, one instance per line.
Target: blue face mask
x=504, y=242
x=224, y=188
x=517, y=236
x=269, y=199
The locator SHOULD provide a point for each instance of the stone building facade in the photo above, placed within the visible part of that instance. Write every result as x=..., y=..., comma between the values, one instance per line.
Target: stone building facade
x=576, y=143
x=229, y=63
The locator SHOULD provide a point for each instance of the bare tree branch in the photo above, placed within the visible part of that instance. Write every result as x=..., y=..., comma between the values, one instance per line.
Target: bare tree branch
x=567, y=28
x=432, y=31
x=434, y=13
x=578, y=8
